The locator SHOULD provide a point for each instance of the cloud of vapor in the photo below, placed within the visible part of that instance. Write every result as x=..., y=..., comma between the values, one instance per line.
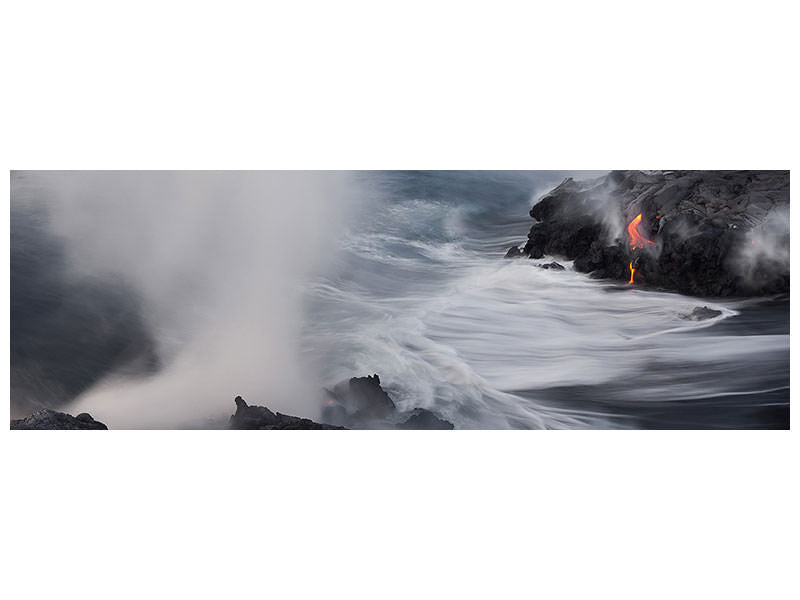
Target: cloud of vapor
x=765, y=251
x=218, y=260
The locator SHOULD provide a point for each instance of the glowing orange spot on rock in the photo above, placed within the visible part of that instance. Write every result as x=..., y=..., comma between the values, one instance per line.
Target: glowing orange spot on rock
x=632, y=272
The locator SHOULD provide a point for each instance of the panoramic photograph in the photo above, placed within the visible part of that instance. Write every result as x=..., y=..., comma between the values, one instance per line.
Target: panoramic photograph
x=399, y=300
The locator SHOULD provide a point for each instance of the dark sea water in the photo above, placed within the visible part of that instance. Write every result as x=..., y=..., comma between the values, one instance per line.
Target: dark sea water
x=420, y=294
x=413, y=286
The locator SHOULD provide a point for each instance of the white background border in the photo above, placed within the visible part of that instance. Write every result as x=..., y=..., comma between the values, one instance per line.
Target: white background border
x=367, y=85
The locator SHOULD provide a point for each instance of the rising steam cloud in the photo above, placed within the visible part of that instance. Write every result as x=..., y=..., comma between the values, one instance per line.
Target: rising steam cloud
x=766, y=247
x=218, y=261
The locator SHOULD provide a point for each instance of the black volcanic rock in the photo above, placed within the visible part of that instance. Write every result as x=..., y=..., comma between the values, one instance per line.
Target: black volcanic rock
x=251, y=417
x=424, y=419
x=553, y=266
x=290, y=422
x=514, y=252
x=364, y=398
x=50, y=419
x=715, y=233
x=362, y=403
x=701, y=313
x=260, y=417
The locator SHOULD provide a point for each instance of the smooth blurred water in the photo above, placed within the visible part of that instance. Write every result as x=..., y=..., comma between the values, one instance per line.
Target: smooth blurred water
x=418, y=292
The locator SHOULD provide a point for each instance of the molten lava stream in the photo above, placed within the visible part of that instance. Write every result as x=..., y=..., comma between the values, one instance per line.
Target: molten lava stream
x=637, y=239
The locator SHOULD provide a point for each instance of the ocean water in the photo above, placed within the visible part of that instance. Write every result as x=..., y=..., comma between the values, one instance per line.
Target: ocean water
x=185, y=298
x=419, y=293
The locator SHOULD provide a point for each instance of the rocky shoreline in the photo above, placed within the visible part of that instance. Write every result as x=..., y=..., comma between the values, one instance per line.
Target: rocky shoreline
x=51, y=419
x=360, y=403
x=702, y=233
x=260, y=417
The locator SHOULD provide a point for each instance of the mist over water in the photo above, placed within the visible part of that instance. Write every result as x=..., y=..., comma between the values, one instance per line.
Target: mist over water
x=275, y=285
x=215, y=263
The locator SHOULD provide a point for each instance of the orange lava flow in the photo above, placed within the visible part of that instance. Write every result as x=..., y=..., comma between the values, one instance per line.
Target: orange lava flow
x=637, y=239
x=632, y=272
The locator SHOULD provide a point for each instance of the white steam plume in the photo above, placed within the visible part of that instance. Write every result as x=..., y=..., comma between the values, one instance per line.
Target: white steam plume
x=766, y=247
x=218, y=259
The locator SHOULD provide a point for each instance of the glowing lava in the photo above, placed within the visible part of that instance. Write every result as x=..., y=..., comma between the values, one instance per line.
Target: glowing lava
x=637, y=239
x=632, y=272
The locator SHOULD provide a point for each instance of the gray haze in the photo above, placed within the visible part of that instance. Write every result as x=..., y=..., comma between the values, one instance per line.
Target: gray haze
x=218, y=261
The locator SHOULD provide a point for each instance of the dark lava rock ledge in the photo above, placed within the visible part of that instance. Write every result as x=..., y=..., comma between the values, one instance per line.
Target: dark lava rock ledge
x=711, y=233
x=260, y=417
x=50, y=419
x=359, y=403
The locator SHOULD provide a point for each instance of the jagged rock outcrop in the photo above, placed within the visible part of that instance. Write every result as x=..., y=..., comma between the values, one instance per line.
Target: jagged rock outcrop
x=50, y=419
x=363, y=398
x=713, y=233
x=260, y=417
x=362, y=403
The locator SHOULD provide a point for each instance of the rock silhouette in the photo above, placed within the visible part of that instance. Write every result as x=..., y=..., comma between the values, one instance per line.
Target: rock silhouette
x=361, y=402
x=260, y=417
x=50, y=419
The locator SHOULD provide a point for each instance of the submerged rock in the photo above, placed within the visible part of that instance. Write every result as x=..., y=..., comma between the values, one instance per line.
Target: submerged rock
x=701, y=313
x=707, y=233
x=260, y=417
x=554, y=266
x=50, y=419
